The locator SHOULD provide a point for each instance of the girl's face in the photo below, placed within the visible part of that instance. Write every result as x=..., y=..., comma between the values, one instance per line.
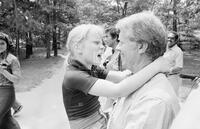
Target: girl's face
x=3, y=46
x=92, y=48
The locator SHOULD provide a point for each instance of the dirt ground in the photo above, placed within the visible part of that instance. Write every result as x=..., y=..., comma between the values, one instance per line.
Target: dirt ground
x=38, y=68
x=43, y=106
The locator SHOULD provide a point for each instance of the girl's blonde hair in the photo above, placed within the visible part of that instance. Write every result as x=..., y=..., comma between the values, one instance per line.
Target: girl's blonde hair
x=80, y=33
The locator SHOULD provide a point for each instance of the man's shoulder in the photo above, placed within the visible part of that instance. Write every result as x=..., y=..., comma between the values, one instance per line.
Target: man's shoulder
x=177, y=49
x=159, y=94
x=162, y=95
x=161, y=90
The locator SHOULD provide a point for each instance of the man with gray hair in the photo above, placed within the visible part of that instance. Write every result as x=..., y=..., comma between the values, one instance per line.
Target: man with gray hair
x=143, y=39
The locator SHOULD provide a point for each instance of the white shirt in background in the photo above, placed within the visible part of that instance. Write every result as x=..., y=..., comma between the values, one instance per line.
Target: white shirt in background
x=175, y=80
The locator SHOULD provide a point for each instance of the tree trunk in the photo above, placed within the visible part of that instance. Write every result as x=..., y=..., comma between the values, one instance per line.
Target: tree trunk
x=29, y=46
x=16, y=29
x=175, y=16
x=47, y=35
x=54, y=31
x=118, y=6
x=124, y=10
x=59, y=40
x=48, y=45
x=17, y=45
x=55, y=41
x=175, y=22
x=31, y=42
x=47, y=39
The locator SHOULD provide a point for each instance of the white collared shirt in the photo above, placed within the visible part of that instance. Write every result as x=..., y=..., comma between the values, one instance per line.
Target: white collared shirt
x=174, y=79
x=153, y=106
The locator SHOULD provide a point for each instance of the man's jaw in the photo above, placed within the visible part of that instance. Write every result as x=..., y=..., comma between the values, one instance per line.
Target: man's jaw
x=140, y=64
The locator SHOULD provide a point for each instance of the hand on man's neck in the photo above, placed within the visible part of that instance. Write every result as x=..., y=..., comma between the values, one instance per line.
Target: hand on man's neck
x=143, y=62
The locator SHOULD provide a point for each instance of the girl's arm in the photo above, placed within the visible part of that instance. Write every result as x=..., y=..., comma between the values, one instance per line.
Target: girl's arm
x=12, y=77
x=132, y=83
x=117, y=76
x=16, y=72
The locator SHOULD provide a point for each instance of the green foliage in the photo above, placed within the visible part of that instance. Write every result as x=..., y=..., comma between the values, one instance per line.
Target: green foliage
x=97, y=11
x=32, y=16
x=42, y=17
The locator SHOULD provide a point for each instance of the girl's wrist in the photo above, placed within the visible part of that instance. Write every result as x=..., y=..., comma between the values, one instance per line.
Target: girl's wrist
x=156, y=67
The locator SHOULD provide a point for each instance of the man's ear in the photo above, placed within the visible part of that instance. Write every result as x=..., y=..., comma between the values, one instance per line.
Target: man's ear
x=142, y=47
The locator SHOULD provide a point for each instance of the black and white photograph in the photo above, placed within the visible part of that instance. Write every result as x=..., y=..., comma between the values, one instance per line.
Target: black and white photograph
x=99, y=64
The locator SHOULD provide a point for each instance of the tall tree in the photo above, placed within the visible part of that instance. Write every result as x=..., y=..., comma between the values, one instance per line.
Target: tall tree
x=54, y=28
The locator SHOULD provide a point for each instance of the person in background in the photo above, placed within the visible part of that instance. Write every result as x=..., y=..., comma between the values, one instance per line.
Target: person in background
x=9, y=74
x=154, y=105
x=172, y=46
x=111, y=58
x=84, y=81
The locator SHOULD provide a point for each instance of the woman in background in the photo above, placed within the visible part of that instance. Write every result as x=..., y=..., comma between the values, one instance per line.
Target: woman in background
x=9, y=74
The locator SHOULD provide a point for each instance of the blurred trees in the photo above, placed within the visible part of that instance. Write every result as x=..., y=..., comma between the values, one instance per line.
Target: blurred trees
x=47, y=22
x=182, y=17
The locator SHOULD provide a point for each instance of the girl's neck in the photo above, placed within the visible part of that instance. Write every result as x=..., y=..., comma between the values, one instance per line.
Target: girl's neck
x=87, y=65
x=83, y=62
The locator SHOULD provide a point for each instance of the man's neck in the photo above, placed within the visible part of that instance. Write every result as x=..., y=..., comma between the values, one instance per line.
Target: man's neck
x=141, y=64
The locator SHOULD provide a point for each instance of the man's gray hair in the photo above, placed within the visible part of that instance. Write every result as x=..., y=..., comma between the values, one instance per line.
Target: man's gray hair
x=145, y=27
